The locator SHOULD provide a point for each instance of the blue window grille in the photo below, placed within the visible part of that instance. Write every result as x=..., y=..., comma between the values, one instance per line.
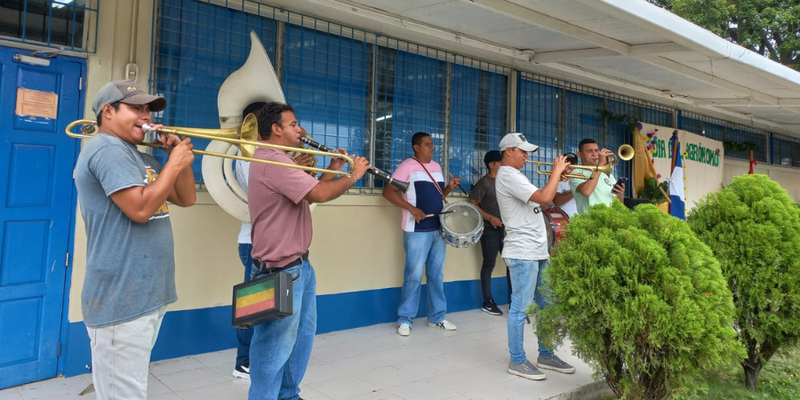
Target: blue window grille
x=477, y=118
x=785, y=150
x=410, y=99
x=326, y=79
x=58, y=24
x=199, y=45
x=540, y=118
x=725, y=131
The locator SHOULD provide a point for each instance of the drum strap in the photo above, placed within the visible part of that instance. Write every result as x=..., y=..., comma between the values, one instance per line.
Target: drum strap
x=432, y=180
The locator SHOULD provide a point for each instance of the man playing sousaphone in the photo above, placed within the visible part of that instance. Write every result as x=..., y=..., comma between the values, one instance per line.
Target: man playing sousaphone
x=525, y=249
x=278, y=199
x=422, y=240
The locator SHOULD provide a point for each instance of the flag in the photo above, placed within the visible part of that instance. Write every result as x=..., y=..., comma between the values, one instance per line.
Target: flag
x=676, y=193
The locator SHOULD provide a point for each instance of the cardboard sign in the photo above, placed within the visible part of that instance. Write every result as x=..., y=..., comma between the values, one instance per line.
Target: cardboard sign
x=36, y=104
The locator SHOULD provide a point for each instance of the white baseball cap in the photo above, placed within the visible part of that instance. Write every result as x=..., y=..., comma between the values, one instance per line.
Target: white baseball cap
x=516, y=139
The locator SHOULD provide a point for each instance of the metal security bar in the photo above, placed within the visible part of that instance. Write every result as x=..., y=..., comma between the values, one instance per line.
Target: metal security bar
x=785, y=150
x=59, y=24
x=725, y=131
x=557, y=115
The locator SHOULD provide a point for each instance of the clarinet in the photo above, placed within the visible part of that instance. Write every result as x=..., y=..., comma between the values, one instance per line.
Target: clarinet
x=402, y=186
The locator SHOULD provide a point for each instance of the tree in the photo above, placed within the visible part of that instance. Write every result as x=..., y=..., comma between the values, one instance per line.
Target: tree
x=768, y=27
x=642, y=300
x=753, y=228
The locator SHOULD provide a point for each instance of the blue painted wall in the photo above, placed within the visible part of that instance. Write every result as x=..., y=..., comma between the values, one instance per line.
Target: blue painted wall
x=190, y=332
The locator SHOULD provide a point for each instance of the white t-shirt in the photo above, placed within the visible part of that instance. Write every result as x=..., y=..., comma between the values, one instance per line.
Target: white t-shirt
x=569, y=207
x=526, y=238
x=242, y=172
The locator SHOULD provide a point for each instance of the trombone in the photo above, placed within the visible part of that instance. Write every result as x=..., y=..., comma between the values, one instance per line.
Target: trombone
x=625, y=153
x=245, y=137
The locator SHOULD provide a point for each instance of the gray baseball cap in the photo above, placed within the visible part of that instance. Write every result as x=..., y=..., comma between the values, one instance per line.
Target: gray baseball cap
x=516, y=139
x=127, y=92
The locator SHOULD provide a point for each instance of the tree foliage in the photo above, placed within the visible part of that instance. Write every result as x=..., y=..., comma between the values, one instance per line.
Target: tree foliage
x=753, y=228
x=768, y=27
x=642, y=300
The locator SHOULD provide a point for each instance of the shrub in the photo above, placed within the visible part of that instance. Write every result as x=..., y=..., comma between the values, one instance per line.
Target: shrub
x=753, y=228
x=642, y=300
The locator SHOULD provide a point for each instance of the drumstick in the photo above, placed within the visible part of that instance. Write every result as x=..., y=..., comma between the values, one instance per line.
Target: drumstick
x=459, y=184
x=435, y=214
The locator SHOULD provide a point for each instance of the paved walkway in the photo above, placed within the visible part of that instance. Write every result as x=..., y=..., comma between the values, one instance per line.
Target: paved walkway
x=370, y=363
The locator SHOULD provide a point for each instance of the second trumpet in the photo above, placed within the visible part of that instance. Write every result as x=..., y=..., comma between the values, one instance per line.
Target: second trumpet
x=625, y=153
x=402, y=186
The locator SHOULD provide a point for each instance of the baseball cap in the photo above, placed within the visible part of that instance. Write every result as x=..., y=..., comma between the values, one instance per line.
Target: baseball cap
x=127, y=92
x=492, y=156
x=516, y=139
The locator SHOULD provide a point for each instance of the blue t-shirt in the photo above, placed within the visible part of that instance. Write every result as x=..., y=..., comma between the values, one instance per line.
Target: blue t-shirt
x=130, y=267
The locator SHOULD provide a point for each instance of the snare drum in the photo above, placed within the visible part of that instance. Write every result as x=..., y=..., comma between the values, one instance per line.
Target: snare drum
x=462, y=224
x=556, y=223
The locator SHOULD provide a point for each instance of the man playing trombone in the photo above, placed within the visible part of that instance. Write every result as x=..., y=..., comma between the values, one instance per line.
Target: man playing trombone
x=525, y=249
x=279, y=198
x=597, y=187
x=130, y=265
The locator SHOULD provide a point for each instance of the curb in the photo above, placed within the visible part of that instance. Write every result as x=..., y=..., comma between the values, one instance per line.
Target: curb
x=592, y=391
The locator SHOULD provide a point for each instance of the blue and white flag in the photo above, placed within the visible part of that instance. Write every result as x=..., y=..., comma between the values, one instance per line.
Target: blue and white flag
x=676, y=193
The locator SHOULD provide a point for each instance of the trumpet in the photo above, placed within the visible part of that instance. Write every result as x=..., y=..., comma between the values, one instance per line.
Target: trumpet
x=245, y=137
x=402, y=186
x=625, y=152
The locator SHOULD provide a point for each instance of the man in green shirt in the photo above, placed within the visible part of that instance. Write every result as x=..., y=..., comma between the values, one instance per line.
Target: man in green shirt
x=597, y=188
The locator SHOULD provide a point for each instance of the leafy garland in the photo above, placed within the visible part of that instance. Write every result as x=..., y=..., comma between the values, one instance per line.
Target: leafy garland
x=632, y=122
x=739, y=146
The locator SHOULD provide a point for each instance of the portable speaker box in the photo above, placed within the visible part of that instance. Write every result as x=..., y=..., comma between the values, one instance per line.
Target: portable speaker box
x=265, y=299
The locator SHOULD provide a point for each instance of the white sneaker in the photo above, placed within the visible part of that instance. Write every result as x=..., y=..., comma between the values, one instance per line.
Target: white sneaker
x=404, y=330
x=446, y=325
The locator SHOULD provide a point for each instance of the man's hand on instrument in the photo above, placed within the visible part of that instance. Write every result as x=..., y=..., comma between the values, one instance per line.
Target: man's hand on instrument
x=559, y=166
x=496, y=222
x=604, y=153
x=336, y=162
x=361, y=167
x=418, y=214
x=181, y=154
x=306, y=160
x=454, y=182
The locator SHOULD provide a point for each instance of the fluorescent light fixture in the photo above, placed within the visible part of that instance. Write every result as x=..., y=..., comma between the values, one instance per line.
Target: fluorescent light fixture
x=61, y=3
x=379, y=119
x=42, y=62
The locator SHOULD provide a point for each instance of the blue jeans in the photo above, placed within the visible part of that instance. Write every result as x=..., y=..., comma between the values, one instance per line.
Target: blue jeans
x=423, y=249
x=244, y=336
x=280, y=349
x=526, y=279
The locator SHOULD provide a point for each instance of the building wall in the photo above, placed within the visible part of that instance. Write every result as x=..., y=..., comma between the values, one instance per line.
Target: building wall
x=357, y=248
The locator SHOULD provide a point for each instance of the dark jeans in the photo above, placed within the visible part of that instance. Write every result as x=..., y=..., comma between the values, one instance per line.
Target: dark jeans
x=244, y=336
x=491, y=244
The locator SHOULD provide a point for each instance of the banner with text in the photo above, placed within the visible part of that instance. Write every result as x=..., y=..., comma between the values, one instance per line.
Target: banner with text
x=702, y=160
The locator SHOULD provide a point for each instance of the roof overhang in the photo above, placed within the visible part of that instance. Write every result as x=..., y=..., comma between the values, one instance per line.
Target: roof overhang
x=629, y=47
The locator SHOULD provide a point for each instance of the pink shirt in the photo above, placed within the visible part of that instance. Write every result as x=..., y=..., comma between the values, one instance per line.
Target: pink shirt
x=279, y=212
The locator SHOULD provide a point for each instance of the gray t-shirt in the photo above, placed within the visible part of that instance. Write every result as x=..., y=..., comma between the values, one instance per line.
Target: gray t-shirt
x=483, y=192
x=130, y=267
x=526, y=237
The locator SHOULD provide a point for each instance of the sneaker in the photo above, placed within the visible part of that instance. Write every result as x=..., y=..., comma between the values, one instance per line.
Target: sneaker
x=446, y=325
x=526, y=370
x=242, y=371
x=404, y=330
x=554, y=363
x=491, y=308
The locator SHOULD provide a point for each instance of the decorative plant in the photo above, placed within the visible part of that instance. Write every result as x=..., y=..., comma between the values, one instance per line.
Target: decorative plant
x=632, y=122
x=651, y=191
x=753, y=228
x=642, y=299
x=730, y=145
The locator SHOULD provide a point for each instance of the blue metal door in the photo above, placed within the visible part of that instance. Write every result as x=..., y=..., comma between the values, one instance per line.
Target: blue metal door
x=36, y=209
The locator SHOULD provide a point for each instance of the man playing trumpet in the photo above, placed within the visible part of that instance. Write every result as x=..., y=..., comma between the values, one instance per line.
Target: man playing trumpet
x=525, y=249
x=596, y=188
